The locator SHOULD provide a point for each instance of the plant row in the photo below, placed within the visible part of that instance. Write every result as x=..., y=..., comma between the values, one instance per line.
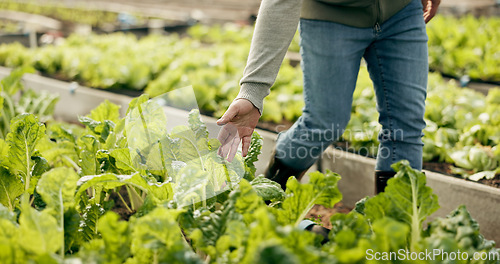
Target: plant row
x=126, y=190
x=465, y=46
x=79, y=14
x=158, y=64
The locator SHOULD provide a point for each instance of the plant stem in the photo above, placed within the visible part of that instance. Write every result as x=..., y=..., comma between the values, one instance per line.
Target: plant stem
x=123, y=200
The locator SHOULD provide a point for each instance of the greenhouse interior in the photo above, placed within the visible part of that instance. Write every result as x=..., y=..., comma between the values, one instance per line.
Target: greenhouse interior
x=258, y=131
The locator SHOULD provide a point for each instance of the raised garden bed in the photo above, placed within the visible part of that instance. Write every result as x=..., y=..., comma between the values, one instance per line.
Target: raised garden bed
x=357, y=171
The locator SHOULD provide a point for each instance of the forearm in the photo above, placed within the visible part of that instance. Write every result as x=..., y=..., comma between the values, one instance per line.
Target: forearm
x=275, y=27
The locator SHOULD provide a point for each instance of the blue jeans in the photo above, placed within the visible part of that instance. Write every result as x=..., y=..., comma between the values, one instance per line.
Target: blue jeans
x=396, y=55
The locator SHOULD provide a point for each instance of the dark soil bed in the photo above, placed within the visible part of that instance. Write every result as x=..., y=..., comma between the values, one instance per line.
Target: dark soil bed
x=321, y=214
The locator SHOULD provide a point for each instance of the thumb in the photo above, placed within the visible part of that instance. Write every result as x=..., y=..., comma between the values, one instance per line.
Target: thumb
x=227, y=116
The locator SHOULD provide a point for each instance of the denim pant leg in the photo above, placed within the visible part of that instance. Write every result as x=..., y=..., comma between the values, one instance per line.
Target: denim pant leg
x=331, y=55
x=398, y=66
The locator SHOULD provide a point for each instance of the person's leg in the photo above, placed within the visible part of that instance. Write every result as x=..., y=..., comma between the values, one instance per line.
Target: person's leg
x=398, y=66
x=331, y=55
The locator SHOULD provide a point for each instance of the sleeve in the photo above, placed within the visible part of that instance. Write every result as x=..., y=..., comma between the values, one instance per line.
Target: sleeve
x=276, y=25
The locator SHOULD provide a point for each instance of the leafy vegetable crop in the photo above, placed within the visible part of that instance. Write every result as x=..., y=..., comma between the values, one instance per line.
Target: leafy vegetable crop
x=465, y=46
x=212, y=61
x=62, y=186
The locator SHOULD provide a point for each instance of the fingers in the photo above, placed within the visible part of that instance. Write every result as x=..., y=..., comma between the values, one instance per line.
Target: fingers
x=424, y=5
x=233, y=149
x=229, y=139
x=245, y=145
x=227, y=116
x=431, y=10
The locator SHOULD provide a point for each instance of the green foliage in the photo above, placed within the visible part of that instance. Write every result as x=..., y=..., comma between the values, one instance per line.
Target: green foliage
x=26, y=131
x=321, y=189
x=407, y=199
x=469, y=47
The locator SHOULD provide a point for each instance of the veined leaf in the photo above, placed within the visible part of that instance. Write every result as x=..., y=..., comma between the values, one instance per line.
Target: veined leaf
x=252, y=156
x=268, y=189
x=10, y=249
x=11, y=187
x=406, y=198
x=145, y=127
x=24, y=135
x=57, y=188
x=321, y=189
x=62, y=153
x=39, y=231
x=123, y=160
x=116, y=237
x=106, y=111
x=157, y=236
x=88, y=145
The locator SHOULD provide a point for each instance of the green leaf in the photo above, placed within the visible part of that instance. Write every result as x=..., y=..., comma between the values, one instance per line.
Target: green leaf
x=270, y=254
x=123, y=160
x=12, y=83
x=10, y=248
x=26, y=132
x=88, y=146
x=72, y=237
x=63, y=153
x=406, y=198
x=145, y=127
x=268, y=189
x=57, y=188
x=41, y=104
x=90, y=212
x=39, y=232
x=157, y=236
x=116, y=237
x=106, y=111
x=252, y=156
x=11, y=187
x=321, y=189
x=457, y=231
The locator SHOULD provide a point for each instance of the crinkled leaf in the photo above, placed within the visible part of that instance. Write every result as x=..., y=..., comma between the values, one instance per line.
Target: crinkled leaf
x=39, y=231
x=88, y=145
x=11, y=187
x=406, y=198
x=57, y=188
x=10, y=249
x=106, y=111
x=158, y=236
x=457, y=231
x=145, y=127
x=122, y=160
x=62, y=153
x=321, y=189
x=116, y=237
x=268, y=189
x=25, y=133
x=252, y=156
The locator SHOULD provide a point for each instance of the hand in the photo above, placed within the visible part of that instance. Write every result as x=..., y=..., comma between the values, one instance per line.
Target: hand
x=430, y=9
x=239, y=121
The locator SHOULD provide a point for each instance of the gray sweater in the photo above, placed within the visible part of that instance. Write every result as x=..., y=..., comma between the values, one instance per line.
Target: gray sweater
x=276, y=25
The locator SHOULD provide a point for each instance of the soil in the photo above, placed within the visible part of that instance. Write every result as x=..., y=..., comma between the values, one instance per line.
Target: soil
x=443, y=168
x=119, y=207
x=321, y=214
x=495, y=182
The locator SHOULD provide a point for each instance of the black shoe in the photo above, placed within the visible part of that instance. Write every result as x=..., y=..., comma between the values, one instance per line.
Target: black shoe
x=279, y=172
x=315, y=228
x=381, y=178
